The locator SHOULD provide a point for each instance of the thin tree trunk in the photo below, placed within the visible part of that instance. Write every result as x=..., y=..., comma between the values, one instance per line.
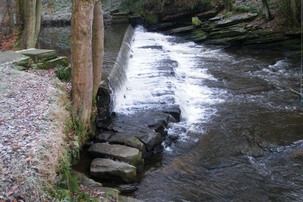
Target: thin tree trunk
x=294, y=13
x=82, y=70
x=10, y=13
x=38, y=14
x=30, y=14
x=29, y=23
x=97, y=46
x=266, y=10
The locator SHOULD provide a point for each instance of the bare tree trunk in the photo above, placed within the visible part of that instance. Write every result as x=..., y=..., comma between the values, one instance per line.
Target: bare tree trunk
x=82, y=70
x=98, y=46
x=294, y=11
x=266, y=10
x=30, y=11
x=10, y=13
x=38, y=20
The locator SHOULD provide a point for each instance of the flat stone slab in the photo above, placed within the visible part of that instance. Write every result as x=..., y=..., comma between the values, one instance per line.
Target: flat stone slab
x=120, y=152
x=39, y=55
x=245, y=17
x=110, y=169
x=127, y=140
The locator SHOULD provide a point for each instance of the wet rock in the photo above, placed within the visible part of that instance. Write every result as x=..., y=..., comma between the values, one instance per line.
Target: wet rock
x=128, y=199
x=109, y=169
x=235, y=19
x=196, y=21
x=227, y=41
x=104, y=105
x=120, y=152
x=181, y=30
x=127, y=188
x=207, y=14
x=227, y=33
x=127, y=140
x=104, y=136
x=163, y=26
x=197, y=35
x=148, y=136
x=152, y=47
x=174, y=111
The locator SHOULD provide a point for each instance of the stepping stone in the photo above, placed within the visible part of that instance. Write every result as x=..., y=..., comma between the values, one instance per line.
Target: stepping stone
x=120, y=152
x=110, y=169
x=127, y=140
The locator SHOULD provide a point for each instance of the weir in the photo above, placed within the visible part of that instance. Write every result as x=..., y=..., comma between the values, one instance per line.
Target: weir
x=238, y=123
x=114, y=81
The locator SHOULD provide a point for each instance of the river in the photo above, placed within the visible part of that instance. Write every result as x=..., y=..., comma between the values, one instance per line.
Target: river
x=241, y=133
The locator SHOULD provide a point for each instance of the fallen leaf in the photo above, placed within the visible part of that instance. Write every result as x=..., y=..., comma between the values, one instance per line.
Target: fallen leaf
x=13, y=189
x=28, y=159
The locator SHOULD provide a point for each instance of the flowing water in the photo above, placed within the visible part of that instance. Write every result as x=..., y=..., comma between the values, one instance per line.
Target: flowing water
x=241, y=133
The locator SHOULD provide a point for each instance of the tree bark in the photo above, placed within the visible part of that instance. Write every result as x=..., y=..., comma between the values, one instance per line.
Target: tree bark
x=30, y=12
x=10, y=14
x=98, y=46
x=294, y=11
x=82, y=70
x=266, y=10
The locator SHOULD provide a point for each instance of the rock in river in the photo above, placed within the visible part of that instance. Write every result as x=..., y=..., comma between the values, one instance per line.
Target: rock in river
x=120, y=152
x=110, y=169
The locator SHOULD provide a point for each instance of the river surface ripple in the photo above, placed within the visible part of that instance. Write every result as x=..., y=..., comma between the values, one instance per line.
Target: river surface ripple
x=240, y=137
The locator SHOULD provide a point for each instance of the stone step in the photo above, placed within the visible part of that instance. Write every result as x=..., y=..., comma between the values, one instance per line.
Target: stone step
x=116, y=138
x=120, y=152
x=39, y=55
x=112, y=170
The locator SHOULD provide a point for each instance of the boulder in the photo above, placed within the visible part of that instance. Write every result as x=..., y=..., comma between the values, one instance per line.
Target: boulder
x=196, y=21
x=120, y=152
x=104, y=136
x=127, y=140
x=110, y=169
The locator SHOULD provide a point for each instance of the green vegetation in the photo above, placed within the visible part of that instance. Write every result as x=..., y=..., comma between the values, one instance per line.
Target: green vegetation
x=248, y=7
x=67, y=187
x=156, y=6
x=64, y=73
x=290, y=11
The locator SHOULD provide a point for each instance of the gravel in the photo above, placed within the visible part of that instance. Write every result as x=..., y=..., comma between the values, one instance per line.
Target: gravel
x=31, y=133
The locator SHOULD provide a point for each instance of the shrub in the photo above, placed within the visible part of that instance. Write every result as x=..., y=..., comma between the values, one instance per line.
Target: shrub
x=64, y=73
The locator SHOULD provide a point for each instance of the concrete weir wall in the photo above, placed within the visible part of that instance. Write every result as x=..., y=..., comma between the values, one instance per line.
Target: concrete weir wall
x=116, y=79
x=118, y=74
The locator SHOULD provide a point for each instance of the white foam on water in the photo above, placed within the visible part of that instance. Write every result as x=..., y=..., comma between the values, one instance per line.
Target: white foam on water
x=149, y=87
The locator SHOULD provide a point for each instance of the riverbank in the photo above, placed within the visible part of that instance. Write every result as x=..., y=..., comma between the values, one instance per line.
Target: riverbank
x=38, y=139
x=32, y=138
